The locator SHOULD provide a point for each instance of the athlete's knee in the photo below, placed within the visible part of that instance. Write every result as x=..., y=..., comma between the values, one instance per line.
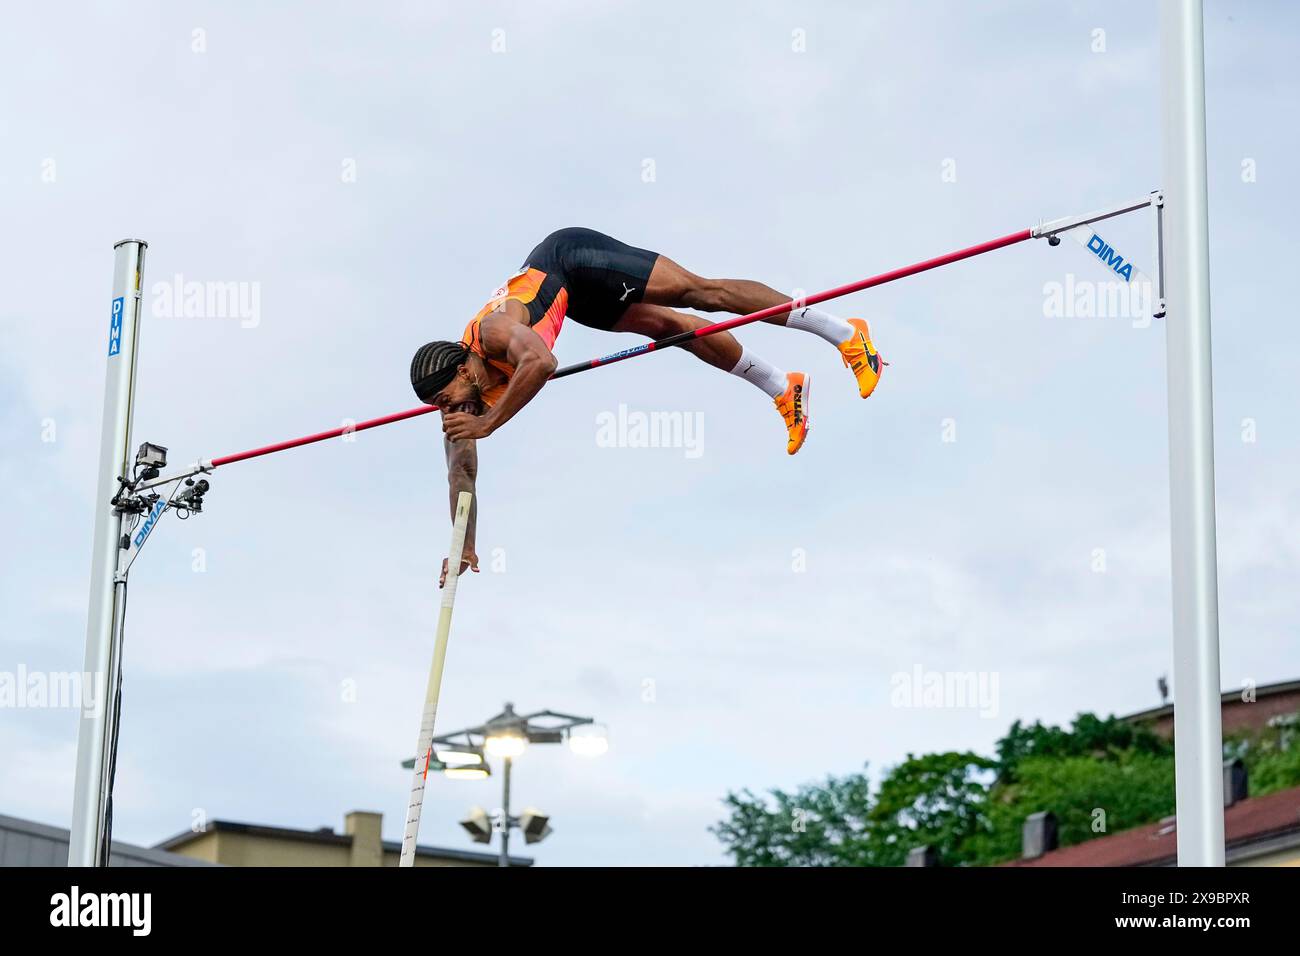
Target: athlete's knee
x=660, y=323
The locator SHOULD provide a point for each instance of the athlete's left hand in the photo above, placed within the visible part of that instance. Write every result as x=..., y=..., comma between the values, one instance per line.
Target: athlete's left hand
x=459, y=426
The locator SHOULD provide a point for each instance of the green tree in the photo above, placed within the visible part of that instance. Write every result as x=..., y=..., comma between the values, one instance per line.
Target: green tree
x=817, y=825
x=1090, y=736
x=1271, y=755
x=933, y=800
x=1272, y=771
x=1100, y=772
x=1090, y=796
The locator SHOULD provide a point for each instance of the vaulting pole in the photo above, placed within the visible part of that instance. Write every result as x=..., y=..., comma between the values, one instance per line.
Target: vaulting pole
x=96, y=738
x=1198, y=731
x=424, y=746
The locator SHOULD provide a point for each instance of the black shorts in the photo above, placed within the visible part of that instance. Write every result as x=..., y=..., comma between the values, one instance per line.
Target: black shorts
x=601, y=275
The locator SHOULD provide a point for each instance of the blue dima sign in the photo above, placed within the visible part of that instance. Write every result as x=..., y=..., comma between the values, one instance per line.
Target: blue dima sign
x=159, y=507
x=115, y=326
x=1110, y=258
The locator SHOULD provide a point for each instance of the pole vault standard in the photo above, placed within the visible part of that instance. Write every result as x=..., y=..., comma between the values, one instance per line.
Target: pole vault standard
x=1198, y=717
x=96, y=737
x=120, y=493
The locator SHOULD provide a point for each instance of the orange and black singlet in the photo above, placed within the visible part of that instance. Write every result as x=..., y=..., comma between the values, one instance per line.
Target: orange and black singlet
x=579, y=273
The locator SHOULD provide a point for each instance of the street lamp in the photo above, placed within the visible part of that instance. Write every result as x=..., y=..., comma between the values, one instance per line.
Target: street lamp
x=478, y=825
x=467, y=773
x=462, y=756
x=507, y=740
x=454, y=756
x=535, y=825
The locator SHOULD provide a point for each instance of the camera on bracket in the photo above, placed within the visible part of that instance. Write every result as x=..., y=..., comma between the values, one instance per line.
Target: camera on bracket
x=191, y=499
x=151, y=458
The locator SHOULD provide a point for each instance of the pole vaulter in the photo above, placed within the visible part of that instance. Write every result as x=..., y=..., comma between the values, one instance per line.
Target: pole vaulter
x=131, y=504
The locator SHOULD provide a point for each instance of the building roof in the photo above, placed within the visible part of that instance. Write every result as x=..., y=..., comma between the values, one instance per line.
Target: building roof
x=328, y=836
x=25, y=843
x=1225, y=697
x=1253, y=825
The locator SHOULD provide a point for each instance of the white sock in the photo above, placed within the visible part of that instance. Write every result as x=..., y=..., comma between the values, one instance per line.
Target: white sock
x=758, y=372
x=832, y=328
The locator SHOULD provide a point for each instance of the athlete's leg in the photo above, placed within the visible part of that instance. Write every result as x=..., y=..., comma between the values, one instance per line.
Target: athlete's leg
x=789, y=392
x=670, y=284
x=720, y=350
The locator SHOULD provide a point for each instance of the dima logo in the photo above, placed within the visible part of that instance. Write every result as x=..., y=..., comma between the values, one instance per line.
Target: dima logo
x=115, y=326
x=154, y=515
x=1113, y=260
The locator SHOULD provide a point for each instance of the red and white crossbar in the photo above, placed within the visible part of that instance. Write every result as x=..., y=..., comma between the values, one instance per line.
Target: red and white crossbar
x=1042, y=231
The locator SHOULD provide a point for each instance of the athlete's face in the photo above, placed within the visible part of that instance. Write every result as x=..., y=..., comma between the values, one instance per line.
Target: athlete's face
x=464, y=388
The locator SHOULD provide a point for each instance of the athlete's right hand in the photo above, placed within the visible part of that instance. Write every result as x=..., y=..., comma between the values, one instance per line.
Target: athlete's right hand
x=468, y=562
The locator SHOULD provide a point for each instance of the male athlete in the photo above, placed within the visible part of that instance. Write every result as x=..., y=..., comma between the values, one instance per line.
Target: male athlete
x=504, y=358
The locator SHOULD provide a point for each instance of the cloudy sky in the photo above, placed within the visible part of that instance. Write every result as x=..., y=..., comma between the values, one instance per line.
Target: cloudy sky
x=735, y=617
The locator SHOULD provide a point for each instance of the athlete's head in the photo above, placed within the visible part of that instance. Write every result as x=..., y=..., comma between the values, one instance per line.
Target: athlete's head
x=447, y=374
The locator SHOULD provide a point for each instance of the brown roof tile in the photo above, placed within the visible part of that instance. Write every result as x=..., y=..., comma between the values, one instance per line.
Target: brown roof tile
x=1254, y=819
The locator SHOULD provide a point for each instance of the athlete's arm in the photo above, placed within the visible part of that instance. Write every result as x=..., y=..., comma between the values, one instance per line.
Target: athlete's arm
x=533, y=362
x=462, y=471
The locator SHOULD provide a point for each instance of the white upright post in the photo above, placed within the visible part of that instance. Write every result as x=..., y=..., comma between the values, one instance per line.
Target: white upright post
x=1198, y=732
x=95, y=744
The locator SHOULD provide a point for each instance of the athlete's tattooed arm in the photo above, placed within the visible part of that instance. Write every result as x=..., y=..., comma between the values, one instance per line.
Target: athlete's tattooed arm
x=462, y=472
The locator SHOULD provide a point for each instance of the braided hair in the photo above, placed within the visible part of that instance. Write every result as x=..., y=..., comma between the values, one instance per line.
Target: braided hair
x=434, y=366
